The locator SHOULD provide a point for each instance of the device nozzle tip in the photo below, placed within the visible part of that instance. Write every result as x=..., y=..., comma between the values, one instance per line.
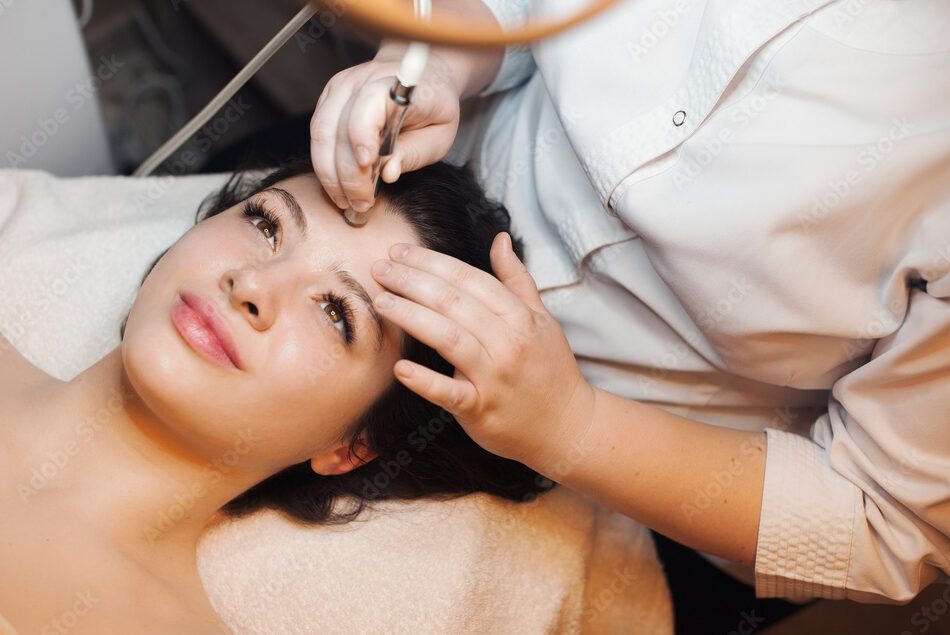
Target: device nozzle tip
x=355, y=218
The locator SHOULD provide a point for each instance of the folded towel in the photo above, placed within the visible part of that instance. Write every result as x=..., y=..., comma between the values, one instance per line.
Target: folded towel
x=476, y=564
x=72, y=255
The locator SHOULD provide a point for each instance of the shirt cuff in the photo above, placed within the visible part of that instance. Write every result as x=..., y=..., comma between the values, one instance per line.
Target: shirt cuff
x=806, y=523
x=518, y=63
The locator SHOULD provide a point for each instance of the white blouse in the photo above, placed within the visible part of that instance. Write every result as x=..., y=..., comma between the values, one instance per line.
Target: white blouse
x=739, y=210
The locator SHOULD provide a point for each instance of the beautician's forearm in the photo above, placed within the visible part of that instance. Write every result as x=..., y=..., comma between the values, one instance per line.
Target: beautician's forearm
x=470, y=69
x=696, y=483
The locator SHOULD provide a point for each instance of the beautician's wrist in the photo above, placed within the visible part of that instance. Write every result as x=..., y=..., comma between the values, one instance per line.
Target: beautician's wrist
x=569, y=442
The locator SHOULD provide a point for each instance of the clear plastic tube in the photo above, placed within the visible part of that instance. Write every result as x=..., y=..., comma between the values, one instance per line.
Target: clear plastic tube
x=230, y=89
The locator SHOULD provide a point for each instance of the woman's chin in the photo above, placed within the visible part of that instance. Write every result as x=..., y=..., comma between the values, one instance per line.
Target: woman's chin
x=182, y=391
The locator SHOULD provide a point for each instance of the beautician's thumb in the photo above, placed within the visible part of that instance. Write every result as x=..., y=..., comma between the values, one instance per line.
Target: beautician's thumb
x=513, y=274
x=416, y=149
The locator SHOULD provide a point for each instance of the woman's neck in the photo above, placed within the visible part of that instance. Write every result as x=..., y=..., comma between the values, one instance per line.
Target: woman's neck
x=105, y=461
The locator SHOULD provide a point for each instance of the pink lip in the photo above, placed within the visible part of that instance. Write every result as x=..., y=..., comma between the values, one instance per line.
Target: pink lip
x=198, y=322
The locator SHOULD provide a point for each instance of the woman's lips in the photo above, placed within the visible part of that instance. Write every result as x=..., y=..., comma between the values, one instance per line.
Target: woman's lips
x=200, y=326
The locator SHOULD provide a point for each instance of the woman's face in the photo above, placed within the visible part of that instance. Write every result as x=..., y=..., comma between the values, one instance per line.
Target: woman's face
x=299, y=385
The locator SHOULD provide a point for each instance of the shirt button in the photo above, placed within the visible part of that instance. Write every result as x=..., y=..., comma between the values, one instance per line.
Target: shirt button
x=679, y=117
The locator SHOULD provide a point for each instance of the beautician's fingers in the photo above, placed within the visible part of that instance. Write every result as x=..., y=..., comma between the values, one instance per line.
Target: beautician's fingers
x=454, y=343
x=367, y=118
x=428, y=130
x=323, y=133
x=457, y=395
x=391, y=170
x=331, y=149
x=433, y=292
x=512, y=272
x=350, y=115
x=479, y=284
x=419, y=147
x=361, y=123
x=355, y=179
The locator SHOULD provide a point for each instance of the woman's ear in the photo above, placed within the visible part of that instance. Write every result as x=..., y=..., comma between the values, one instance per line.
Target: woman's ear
x=340, y=461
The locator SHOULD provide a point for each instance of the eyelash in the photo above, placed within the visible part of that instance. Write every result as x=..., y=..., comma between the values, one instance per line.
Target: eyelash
x=252, y=210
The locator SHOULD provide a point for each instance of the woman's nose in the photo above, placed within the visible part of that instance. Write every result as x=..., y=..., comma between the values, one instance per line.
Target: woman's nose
x=253, y=291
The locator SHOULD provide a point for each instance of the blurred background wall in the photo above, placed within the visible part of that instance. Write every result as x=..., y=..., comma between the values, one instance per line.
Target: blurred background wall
x=108, y=81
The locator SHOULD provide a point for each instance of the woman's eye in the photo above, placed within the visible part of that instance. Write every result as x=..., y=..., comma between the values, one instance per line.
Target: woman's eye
x=336, y=316
x=262, y=220
x=266, y=228
x=340, y=314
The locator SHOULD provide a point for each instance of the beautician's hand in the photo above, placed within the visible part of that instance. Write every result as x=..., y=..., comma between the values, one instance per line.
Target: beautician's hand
x=350, y=113
x=517, y=389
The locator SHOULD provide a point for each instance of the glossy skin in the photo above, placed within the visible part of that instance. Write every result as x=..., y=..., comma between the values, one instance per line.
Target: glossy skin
x=110, y=478
x=267, y=289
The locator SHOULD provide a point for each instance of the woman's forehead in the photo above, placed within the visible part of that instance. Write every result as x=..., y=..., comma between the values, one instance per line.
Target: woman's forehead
x=385, y=225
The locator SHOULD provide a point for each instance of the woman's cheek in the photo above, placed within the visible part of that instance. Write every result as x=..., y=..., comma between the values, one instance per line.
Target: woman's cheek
x=219, y=238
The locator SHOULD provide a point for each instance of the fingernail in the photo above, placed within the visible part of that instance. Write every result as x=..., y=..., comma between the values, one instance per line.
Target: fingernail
x=363, y=155
x=508, y=241
x=342, y=203
x=360, y=206
x=383, y=300
x=383, y=267
x=400, y=250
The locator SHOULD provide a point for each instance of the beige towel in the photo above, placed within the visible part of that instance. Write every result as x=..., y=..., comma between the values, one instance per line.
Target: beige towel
x=473, y=565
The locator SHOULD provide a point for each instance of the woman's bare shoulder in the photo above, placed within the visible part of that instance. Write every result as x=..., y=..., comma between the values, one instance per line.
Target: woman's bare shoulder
x=16, y=371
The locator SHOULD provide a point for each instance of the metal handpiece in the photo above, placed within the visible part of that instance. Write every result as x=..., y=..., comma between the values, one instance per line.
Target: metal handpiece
x=397, y=106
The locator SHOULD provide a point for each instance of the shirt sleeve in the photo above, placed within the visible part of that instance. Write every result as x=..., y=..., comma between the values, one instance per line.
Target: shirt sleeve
x=518, y=64
x=861, y=510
